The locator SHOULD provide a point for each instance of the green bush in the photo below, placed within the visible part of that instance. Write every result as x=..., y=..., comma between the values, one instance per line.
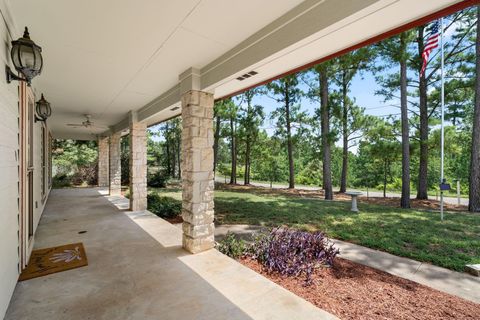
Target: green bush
x=164, y=207
x=61, y=181
x=231, y=247
x=311, y=174
x=74, y=163
x=157, y=179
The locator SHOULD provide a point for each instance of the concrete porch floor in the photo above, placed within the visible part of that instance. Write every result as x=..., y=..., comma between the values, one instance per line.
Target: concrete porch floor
x=138, y=270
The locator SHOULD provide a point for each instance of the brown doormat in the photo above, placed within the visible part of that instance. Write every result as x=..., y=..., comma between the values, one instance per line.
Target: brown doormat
x=53, y=260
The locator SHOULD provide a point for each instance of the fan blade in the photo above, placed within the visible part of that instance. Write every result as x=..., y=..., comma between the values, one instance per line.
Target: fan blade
x=75, y=125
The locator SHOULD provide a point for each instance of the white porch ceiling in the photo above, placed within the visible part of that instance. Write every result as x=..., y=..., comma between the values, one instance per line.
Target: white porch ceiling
x=108, y=57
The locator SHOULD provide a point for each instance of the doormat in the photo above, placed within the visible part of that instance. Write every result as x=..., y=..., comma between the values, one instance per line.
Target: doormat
x=52, y=260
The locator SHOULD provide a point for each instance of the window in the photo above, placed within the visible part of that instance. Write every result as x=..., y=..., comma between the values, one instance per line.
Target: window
x=44, y=153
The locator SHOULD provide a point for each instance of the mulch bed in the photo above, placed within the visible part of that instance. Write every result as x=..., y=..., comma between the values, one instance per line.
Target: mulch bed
x=300, y=193
x=353, y=291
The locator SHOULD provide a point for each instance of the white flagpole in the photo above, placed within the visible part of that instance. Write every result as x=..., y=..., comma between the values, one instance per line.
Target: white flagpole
x=442, y=137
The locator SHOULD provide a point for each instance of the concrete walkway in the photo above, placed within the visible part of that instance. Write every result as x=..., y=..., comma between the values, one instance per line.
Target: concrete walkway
x=460, y=284
x=138, y=270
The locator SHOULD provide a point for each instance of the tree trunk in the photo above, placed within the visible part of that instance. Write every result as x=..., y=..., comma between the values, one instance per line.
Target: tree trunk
x=174, y=157
x=167, y=149
x=405, y=199
x=422, y=186
x=246, y=179
x=474, y=194
x=325, y=129
x=291, y=180
x=216, y=141
x=233, y=173
x=343, y=179
x=179, y=152
x=385, y=178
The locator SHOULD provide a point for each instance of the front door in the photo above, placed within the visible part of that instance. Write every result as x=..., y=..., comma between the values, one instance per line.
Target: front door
x=26, y=172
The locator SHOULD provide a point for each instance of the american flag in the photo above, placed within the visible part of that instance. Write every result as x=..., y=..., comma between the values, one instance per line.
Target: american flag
x=431, y=44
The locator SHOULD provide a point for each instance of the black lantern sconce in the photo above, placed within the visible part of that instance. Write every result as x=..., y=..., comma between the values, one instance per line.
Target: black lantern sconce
x=42, y=109
x=27, y=59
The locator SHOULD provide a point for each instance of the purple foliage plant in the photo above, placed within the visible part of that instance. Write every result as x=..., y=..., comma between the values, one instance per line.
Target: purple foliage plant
x=293, y=252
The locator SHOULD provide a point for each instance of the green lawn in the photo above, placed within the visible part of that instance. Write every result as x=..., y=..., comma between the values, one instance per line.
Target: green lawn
x=415, y=234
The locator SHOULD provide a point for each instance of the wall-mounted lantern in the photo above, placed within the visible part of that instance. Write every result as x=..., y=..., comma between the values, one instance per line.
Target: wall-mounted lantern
x=42, y=109
x=27, y=59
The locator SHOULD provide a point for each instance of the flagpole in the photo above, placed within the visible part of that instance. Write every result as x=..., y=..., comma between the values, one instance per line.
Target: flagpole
x=442, y=137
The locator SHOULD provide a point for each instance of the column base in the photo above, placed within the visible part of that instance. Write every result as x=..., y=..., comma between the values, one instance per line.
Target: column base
x=196, y=245
x=138, y=205
x=115, y=192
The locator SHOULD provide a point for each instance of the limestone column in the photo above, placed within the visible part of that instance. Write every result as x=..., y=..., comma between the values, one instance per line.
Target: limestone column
x=138, y=164
x=197, y=171
x=115, y=165
x=103, y=160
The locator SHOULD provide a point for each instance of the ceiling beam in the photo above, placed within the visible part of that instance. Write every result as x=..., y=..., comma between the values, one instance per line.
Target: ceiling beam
x=301, y=22
x=75, y=135
x=308, y=18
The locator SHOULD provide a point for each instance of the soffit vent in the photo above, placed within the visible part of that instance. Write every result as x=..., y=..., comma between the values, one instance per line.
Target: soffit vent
x=247, y=75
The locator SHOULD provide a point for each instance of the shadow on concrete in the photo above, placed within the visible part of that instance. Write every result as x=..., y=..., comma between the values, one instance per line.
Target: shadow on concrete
x=138, y=270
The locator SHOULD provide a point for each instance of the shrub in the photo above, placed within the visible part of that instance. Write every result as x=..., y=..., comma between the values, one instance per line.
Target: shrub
x=293, y=252
x=74, y=163
x=231, y=247
x=61, y=181
x=164, y=207
x=157, y=179
x=85, y=175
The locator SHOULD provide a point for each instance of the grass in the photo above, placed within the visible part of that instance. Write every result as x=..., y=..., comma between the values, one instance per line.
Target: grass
x=419, y=235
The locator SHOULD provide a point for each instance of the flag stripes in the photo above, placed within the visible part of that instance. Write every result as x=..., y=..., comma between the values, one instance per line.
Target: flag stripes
x=431, y=44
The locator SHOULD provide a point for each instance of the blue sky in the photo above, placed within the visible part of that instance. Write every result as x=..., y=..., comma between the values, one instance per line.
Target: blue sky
x=362, y=89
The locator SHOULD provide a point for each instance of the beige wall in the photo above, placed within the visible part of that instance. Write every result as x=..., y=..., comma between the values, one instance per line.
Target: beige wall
x=9, y=175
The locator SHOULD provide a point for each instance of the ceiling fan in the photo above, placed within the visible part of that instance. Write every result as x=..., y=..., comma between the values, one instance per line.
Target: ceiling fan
x=86, y=124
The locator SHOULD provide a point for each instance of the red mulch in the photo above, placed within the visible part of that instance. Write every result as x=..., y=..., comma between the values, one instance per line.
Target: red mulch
x=353, y=291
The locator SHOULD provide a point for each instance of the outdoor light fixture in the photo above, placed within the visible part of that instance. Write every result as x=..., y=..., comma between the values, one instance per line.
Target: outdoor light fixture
x=27, y=59
x=42, y=109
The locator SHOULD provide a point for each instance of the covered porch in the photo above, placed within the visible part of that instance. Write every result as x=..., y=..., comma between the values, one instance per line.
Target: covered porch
x=176, y=60
x=138, y=270
x=115, y=68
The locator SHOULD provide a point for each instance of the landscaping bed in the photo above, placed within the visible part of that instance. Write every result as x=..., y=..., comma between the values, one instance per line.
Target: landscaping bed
x=353, y=291
x=410, y=233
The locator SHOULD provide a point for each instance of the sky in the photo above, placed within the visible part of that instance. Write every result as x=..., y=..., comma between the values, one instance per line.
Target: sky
x=362, y=89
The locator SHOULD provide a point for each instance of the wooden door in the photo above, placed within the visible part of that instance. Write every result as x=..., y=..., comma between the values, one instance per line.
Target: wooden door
x=26, y=172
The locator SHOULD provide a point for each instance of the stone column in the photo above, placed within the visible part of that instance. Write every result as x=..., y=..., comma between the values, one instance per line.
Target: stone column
x=115, y=165
x=138, y=164
x=103, y=161
x=197, y=171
